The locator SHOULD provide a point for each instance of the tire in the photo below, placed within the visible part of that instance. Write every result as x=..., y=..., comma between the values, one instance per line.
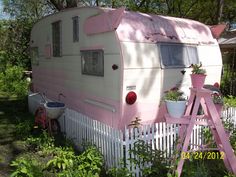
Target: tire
x=55, y=126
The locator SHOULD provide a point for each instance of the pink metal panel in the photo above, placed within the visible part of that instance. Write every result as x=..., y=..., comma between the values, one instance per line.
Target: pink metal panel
x=139, y=27
x=105, y=22
x=155, y=28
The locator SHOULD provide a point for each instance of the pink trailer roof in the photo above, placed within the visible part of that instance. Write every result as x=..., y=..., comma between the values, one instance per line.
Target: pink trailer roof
x=140, y=27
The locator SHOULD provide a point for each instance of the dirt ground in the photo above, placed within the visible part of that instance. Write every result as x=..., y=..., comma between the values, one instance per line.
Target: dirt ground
x=11, y=112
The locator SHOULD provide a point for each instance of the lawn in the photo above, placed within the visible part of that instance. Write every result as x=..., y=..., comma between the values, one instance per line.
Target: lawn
x=12, y=111
x=53, y=156
x=25, y=151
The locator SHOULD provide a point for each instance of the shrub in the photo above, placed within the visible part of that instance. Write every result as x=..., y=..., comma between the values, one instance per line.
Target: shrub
x=230, y=101
x=23, y=129
x=151, y=162
x=90, y=163
x=43, y=143
x=26, y=167
x=13, y=82
x=63, y=160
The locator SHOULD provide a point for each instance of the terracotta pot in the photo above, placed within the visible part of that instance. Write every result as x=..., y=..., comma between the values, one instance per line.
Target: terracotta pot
x=198, y=80
x=175, y=108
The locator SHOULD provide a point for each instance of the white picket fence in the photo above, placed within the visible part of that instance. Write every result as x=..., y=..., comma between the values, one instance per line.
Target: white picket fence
x=81, y=129
x=115, y=145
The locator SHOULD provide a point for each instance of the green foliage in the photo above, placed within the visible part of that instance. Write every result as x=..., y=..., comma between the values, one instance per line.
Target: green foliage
x=17, y=30
x=44, y=144
x=144, y=154
x=122, y=171
x=230, y=175
x=34, y=9
x=230, y=101
x=208, y=137
x=23, y=128
x=63, y=159
x=90, y=163
x=26, y=167
x=174, y=94
x=13, y=82
x=197, y=69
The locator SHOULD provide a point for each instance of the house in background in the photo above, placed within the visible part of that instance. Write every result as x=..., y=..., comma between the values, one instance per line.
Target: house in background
x=227, y=43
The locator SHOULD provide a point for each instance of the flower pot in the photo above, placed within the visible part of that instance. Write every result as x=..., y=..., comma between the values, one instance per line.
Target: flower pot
x=175, y=108
x=198, y=80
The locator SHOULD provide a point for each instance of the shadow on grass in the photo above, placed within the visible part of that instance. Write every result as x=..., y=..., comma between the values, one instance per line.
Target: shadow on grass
x=12, y=112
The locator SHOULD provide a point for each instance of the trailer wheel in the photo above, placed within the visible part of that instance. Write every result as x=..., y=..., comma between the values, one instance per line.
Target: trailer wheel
x=55, y=126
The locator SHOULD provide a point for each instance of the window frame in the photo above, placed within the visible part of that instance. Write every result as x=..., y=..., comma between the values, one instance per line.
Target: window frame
x=75, y=28
x=55, y=41
x=177, y=44
x=99, y=74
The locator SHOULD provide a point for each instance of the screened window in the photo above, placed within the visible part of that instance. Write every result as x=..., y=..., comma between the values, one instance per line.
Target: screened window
x=92, y=62
x=34, y=54
x=75, y=29
x=173, y=55
x=56, y=38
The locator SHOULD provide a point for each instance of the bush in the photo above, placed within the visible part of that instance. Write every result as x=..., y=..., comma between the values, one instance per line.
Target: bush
x=26, y=167
x=57, y=160
x=12, y=81
x=230, y=101
x=23, y=129
x=150, y=162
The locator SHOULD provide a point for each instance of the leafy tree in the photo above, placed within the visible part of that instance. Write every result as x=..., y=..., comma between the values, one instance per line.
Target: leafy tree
x=27, y=9
x=16, y=30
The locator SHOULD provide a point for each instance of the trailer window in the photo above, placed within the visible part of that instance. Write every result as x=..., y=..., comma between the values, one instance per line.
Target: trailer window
x=56, y=38
x=34, y=55
x=173, y=55
x=92, y=62
x=75, y=29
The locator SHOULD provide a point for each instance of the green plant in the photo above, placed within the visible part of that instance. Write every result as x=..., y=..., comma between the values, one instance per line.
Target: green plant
x=26, y=167
x=44, y=143
x=63, y=159
x=174, y=94
x=208, y=138
x=13, y=82
x=230, y=101
x=230, y=175
x=217, y=98
x=122, y=171
x=135, y=123
x=90, y=163
x=197, y=69
x=144, y=154
x=23, y=128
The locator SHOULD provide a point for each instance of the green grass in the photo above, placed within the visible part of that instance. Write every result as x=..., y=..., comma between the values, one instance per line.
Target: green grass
x=12, y=111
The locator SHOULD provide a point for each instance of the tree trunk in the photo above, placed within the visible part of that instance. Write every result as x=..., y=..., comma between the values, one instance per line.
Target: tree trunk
x=220, y=5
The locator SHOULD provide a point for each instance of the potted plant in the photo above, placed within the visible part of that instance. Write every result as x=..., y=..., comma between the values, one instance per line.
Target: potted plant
x=218, y=101
x=175, y=102
x=198, y=75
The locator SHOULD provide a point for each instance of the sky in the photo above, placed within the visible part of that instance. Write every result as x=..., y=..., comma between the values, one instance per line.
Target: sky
x=2, y=14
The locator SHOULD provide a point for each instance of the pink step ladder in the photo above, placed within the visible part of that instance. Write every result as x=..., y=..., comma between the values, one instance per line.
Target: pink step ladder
x=212, y=119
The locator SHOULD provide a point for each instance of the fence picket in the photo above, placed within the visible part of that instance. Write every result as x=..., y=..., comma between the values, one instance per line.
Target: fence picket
x=116, y=145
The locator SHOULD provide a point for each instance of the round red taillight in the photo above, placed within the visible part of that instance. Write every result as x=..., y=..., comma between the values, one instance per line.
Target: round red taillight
x=131, y=97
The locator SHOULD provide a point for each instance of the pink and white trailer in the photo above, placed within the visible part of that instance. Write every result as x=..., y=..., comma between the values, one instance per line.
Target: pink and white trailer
x=114, y=65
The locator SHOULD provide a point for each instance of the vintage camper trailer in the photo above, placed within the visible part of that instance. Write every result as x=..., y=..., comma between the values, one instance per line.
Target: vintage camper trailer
x=113, y=65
